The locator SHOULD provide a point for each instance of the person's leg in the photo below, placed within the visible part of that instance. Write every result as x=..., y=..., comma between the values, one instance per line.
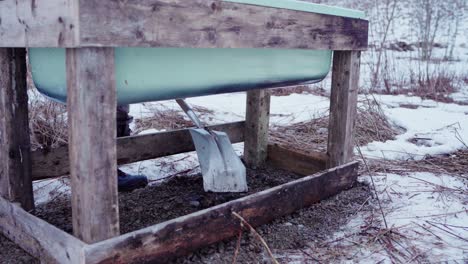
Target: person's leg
x=123, y=121
x=127, y=182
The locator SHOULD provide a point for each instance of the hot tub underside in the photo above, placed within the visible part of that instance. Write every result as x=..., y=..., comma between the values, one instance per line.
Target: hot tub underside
x=153, y=74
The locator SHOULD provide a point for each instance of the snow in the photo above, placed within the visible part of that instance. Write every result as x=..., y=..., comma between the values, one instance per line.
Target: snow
x=231, y=108
x=429, y=211
x=441, y=128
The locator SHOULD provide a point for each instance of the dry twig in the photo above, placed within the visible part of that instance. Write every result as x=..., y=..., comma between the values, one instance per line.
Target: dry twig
x=260, y=238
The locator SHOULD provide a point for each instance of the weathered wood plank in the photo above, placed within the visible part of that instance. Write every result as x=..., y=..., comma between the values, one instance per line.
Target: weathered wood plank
x=179, y=236
x=15, y=154
x=32, y=23
x=173, y=23
x=91, y=106
x=132, y=149
x=257, y=121
x=301, y=162
x=37, y=237
x=210, y=24
x=343, y=106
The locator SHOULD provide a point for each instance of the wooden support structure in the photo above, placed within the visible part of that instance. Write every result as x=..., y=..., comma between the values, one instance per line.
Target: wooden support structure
x=91, y=106
x=15, y=155
x=256, y=127
x=173, y=23
x=55, y=162
x=89, y=30
x=343, y=107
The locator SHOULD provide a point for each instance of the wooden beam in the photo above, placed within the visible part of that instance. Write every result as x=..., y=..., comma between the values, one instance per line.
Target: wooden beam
x=343, y=106
x=55, y=163
x=298, y=161
x=37, y=237
x=182, y=235
x=32, y=23
x=91, y=106
x=15, y=154
x=210, y=24
x=173, y=23
x=256, y=127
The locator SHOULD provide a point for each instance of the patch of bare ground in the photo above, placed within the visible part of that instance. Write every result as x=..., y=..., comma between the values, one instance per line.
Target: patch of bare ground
x=371, y=125
x=184, y=195
x=11, y=253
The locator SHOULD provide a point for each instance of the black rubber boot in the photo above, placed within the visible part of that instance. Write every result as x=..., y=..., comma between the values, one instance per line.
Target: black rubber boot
x=126, y=182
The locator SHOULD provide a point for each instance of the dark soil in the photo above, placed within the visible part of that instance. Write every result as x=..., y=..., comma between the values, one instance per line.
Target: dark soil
x=184, y=195
x=11, y=253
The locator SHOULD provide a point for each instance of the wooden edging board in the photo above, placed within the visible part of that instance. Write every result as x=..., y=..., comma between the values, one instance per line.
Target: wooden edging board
x=162, y=242
x=298, y=161
x=176, y=237
x=38, y=237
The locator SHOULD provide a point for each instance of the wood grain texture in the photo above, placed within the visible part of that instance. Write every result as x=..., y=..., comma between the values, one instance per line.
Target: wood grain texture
x=91, y=106
x=343, y=107
x=301, y=162
x=55, y=163
x=35, y=23
x=15, y=149
x=257, y=120
x=37, y=237
x=214, y=24
x=162, y=242
x=173, y=23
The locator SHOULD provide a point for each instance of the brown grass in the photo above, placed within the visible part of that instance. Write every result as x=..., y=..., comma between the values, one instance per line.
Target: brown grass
x=47, y=122
x=438, y=87
x=317, y=89
x=285, y=91
x=453, y=163
x=167, y=118
x=371, y=125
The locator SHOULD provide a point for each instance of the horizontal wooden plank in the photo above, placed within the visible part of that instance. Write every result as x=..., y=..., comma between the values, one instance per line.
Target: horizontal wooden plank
x=301, y=162
x=173, y=23
x=38, y=237
x=32, y=23
x=55, y=163
x=179, y=236
x=214, y=24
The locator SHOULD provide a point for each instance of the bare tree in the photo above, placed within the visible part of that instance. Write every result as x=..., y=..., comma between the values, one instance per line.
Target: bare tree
x=387, y=8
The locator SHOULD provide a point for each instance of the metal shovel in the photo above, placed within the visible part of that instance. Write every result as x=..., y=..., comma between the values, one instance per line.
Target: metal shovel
x=222, y=169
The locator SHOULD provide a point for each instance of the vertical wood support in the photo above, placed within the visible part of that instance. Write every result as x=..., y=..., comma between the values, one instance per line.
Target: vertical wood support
x=91, y=105
x=343, y=107
x=15, y=153
x=256, y=128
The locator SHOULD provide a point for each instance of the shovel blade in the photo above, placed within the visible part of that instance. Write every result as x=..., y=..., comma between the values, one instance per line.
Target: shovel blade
x=222, y=169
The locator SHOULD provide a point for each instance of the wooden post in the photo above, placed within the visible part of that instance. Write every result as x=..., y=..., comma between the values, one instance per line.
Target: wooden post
x=91, y=105
x=15, y=153
x=343, y=105
x=256, y=128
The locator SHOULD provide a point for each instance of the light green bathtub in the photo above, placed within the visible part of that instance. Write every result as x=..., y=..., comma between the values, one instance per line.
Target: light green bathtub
x=152, y=74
